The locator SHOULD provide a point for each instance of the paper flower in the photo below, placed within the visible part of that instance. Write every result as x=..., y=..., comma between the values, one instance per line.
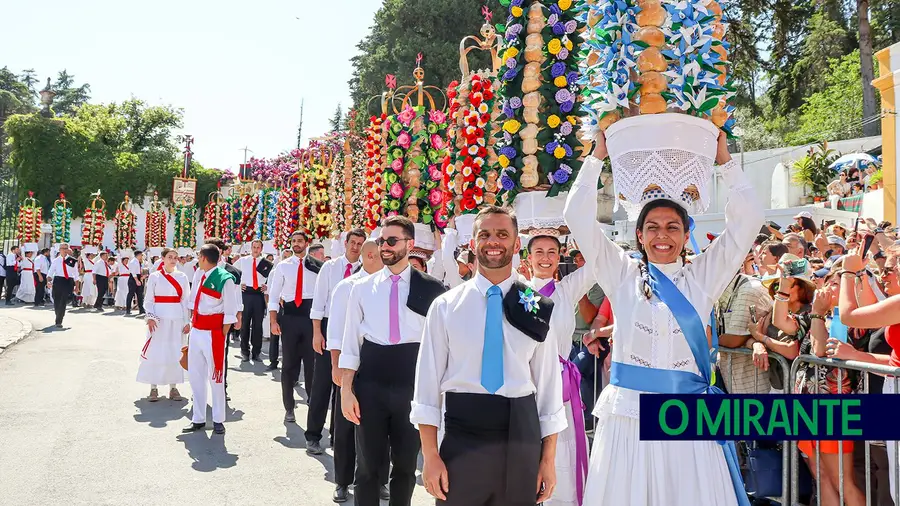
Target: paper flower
x=529, y=300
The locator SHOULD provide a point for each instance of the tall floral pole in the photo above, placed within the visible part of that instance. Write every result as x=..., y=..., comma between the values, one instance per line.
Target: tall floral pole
x=184, y=202
x=62, y=220
x=94, y=221
x=155, y=233
x=29, y=220
x=215, y=218
x=126, y=222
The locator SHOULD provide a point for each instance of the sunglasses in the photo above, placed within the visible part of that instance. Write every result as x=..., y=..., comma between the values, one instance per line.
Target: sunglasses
x=887, y=271
x=391, y=241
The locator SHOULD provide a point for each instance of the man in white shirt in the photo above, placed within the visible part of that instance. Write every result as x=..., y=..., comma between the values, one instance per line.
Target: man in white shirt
x=41, y=268
x=333, y=271
x=500, y=385
x=385, y=315
x=12, y=273
x=292, y=288
x=213, y=314
x=102, y=274
x=253, y=294
x=62, y=274
x=344, y=433
x=135, y=285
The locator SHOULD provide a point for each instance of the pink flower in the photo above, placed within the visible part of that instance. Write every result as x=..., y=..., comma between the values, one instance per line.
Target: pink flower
x=435, y=197
x=396, y=190
x=437, y=142
x=392, y=213
x=406, y=116
x=437, y=116
x=397, y=165
x=404, y=140
x=434, y=172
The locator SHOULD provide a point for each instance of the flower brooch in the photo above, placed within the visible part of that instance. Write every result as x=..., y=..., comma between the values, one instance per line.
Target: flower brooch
x=529, y=300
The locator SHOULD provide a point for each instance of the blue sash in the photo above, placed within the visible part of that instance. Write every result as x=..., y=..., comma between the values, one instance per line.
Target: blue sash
x=661, y=381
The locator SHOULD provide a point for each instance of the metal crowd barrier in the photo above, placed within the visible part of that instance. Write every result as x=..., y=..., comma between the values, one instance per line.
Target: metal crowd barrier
x=891, y=374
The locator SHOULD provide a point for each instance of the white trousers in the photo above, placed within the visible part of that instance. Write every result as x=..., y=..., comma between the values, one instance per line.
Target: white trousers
x=88, y=290
x=200, y=372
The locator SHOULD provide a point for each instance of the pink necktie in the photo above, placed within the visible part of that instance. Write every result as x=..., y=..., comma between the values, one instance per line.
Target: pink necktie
x=347, y=271
x=395, y=310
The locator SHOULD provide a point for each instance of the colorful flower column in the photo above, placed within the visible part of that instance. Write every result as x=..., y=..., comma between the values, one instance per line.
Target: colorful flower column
x=28, y=228
x=374, y=180
x=215, y=218
x=185, y=227
x=62, y=220
x=93, y=222
x=126, y=222
x=155, y=233
x=319, y=203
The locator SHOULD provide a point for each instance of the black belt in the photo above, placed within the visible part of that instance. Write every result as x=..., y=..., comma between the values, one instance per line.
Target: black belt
x=480, y=419
x=393, y=364
x=291, y=309
x=251, y=291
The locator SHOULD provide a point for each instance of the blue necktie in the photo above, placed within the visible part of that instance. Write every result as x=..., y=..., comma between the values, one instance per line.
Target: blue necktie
x=492, y=355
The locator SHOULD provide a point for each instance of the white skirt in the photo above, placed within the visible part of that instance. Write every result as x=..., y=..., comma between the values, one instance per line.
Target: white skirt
x=121, y=291
x=25, y=292
x=163, y=354
x=566, y=492
x=627, y=471
x=88, y=290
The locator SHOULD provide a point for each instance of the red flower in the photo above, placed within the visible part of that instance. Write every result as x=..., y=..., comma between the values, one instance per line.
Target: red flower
x=468, y=204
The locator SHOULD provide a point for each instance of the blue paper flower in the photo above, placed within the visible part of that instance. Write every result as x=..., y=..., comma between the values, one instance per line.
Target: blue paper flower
x=529, y=300
x=507, y=182
x=561, y=176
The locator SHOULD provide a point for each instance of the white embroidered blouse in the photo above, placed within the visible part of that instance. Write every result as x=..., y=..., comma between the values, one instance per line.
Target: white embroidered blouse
x=646, y=333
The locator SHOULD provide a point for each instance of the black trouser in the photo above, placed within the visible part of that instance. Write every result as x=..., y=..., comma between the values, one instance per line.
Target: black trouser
x=492, y=448
x=296, y=340
x=134, y=289
x=343, y=438
x=384, y=389
x=62, y=290
x=102, y=283
x=252, y=323
x=320, y=396
x=12, y=280
x=40, y=291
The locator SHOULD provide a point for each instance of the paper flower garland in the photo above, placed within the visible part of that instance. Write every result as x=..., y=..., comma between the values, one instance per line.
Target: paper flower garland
x=656, y=56
x=126, y=225
x=519, y=148
x=62, y=220
x=185, y=227
x=271, y=212
x=400, y=143
x=430, y=197
x=248, y=209
x=469, y=179
x=320, y=204
x=375, y=156
x=155, y=233
x=215, y=218
x=93, y=222
x=285, y=223
x=360, y=190
x=336, y=193
x=29, y=220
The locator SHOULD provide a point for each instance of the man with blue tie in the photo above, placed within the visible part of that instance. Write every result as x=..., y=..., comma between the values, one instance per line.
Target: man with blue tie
x=502, y=387
x=383, y=328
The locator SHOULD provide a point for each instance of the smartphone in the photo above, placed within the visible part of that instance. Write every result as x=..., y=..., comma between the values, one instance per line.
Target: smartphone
x=856, y=224
x=795, y=267
x=828, y=223
x=867, y=243
x=773, y=225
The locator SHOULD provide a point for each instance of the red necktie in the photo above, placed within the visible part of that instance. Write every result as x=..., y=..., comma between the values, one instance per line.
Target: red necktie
x=65, y=271
x=298, y=292
x=107, y=268
x=255, y=280
x=347, y=271
x=197, y=300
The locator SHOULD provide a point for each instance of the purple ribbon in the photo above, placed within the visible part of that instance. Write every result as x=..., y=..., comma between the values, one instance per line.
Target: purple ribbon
x=572, y=392
x=548, y=289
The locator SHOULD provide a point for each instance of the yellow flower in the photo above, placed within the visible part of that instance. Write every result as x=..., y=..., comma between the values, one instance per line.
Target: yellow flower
x=572, y=119
x=553, y=121
x=559, y=152
x=564, y=4
x=554, y=46
x=512, y=126
x=511, y=52
x=560, y=82
x=569, y=45
x=516, y=11
x=503, y=161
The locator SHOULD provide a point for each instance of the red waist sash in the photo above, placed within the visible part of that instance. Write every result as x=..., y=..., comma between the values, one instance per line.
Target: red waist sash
x=213, y=323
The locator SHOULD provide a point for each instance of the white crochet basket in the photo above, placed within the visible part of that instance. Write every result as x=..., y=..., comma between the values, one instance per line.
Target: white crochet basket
x=537, y=210
x=465, y=227
x=425, y=237
x=671, y=153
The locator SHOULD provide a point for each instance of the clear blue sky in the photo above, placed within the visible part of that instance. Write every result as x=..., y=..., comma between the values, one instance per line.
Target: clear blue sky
x=239, y=69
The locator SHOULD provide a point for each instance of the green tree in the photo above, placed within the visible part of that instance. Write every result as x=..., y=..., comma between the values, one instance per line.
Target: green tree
x=68, y=96
x=336, y=121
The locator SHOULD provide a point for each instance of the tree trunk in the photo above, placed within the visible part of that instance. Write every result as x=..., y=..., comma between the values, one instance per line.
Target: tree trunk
x=867, y=69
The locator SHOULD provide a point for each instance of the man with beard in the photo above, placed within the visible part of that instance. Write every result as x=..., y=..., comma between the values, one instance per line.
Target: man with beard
x=385, y=315
x=503, y=389
x=293, y=284
x=253, y=288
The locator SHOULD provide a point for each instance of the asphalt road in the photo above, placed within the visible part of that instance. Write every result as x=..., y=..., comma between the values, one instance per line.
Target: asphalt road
x=75, y=427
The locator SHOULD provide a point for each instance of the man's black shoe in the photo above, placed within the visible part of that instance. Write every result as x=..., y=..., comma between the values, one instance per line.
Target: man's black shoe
x=194, y=427
x=341, y=494
x=255, y=358
x=272, y=366
x=245, y=358
x=218, y=428
x=313, y=448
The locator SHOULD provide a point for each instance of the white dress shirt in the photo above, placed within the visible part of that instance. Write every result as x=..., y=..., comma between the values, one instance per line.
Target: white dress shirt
x=450, y=358
x=646, y=333
x=330, y=275
x=340, y=296
x=101, y=268
x=448, y=249
x=134, y=268
x=11, y=261
x=368, y=315
x=245, y=265
x=56, y=269
x=157, y=284
x=210, y=305
x=283, y=284
x=42, y=264
x=188, y=268
x=236, y=290
x=569, y=290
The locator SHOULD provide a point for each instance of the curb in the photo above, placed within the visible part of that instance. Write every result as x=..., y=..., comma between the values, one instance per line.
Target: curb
x=25, y=331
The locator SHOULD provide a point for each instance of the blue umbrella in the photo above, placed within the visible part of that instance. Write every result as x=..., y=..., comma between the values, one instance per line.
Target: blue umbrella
x=852, y=160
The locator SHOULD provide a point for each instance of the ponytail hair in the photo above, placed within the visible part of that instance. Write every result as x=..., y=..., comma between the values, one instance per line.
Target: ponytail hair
x=644, y=262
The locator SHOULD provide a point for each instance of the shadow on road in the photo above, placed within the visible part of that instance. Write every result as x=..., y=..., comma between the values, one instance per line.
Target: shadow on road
x=295, y=439
x=158, y=414
x=207, y=451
